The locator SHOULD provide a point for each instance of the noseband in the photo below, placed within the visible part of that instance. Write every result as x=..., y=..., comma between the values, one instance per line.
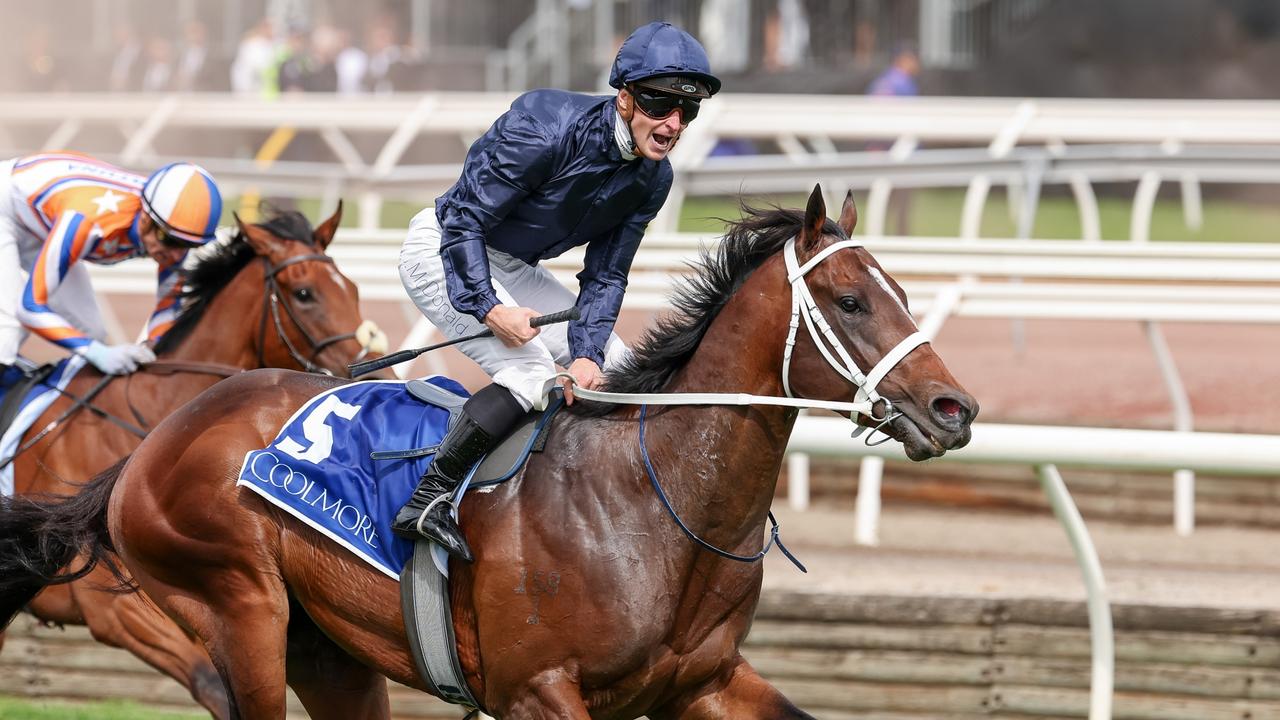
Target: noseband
x=271, y=304
x=804, y=306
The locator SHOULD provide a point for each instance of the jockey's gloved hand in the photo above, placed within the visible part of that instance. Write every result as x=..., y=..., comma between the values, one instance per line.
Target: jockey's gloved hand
x=117, y=359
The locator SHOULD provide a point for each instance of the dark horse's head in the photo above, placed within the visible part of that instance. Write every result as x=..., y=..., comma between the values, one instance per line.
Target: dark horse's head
x=866, y=312
x=295, y=310
x=825, y=320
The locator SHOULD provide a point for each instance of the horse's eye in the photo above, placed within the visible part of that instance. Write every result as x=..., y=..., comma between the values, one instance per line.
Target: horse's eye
x=849, y=304
x=303, y=294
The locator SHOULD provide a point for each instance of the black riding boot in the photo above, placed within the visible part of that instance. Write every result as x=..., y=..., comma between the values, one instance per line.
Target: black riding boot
x=486, y=419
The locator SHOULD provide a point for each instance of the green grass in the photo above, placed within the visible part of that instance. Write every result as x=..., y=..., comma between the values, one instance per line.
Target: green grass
x=14, y=709
x=937, y=213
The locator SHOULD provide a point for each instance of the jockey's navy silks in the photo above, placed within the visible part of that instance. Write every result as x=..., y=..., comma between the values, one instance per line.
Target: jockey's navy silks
x=548, y=177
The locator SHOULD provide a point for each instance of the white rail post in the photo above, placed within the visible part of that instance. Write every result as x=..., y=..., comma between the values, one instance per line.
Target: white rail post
x=1184, y=481
x=866, y=518
x=1101, y=634
x=798, y=481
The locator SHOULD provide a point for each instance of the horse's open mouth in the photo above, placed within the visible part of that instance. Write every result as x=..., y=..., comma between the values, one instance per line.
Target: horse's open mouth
x=919, y=439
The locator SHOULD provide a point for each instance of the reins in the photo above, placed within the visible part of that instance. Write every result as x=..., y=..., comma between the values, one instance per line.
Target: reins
x=85, y=402
x=657, y=487
x=173, y=367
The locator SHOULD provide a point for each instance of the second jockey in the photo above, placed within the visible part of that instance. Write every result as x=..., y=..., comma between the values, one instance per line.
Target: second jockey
x=61, y=210
x=556, y=171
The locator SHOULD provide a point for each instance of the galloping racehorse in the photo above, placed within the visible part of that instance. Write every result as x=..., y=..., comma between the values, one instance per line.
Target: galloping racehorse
x=290, y=309
x=633, y=618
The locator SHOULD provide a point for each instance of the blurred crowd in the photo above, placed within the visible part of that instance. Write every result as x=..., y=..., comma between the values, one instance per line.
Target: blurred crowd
x=269, y=60
x=321, y=46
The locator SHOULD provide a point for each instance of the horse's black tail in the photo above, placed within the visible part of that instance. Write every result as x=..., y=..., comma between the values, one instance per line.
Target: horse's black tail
x=40, y=537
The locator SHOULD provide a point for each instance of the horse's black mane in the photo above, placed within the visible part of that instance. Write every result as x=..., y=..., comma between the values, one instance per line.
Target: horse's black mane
x=207, y=278
x=697, y=300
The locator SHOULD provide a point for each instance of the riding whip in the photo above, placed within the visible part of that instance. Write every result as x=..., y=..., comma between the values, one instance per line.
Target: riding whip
x=395, y=358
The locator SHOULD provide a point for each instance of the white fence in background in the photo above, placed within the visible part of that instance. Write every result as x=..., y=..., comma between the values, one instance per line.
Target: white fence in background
x=806, y=130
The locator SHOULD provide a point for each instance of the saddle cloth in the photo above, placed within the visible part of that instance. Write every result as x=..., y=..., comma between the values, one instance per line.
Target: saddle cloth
x=319, y=468
x=349, y=459
x=38, y=399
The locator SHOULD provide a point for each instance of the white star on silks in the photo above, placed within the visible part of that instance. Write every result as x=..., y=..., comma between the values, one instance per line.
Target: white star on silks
x=108, y=202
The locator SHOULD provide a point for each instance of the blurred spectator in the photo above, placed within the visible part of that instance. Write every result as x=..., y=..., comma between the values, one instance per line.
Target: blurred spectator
x=308, y=63
x=322, y=68
x=786, y=36
x=900, y=78
x=159, y=73
x=293, y=62
x=386, y=58
x=724, y=26
x=196, y=70
x=351, y=65
x=42, y=71
x=126, y=67
x=255, y=57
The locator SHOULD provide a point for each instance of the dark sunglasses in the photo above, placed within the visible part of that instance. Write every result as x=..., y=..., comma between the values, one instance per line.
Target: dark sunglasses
x=177, y=243
x=659, y=105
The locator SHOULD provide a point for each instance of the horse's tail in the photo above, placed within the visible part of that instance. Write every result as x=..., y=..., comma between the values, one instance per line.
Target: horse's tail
x=38, y=538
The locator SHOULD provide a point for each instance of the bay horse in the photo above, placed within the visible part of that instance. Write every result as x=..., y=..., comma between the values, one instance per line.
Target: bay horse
x=232, y=322
x=585, y=599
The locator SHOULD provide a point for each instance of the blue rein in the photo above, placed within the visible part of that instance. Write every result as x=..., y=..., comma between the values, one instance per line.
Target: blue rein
x=773, y=531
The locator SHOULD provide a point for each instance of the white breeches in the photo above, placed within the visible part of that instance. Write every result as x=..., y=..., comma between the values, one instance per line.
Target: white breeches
x=522, y=370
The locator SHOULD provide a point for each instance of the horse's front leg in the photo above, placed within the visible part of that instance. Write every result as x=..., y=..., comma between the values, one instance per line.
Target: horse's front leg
x=550, y=695
x=738, y=693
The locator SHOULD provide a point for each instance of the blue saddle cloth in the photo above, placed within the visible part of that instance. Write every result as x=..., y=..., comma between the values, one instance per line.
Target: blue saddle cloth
x=37, y=399
x=319, y=467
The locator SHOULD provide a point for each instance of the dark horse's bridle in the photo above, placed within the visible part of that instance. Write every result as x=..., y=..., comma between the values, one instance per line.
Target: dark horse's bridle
x=271, y=304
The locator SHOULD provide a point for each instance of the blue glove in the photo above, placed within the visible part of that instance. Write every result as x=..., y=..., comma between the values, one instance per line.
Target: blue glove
x=117, y=359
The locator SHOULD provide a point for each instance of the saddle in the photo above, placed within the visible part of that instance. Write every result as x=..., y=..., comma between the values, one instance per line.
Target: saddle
x=505, y=460
x=424, y=583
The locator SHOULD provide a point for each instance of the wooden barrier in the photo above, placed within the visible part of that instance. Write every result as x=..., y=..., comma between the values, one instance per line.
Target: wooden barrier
x=847, y=657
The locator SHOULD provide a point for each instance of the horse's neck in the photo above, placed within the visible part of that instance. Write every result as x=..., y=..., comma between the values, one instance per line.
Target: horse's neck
x=730, y=455
x=227, y=333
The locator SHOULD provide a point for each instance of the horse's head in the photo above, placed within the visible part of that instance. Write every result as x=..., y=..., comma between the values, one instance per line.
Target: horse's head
x=854, y=335
x=311, y=311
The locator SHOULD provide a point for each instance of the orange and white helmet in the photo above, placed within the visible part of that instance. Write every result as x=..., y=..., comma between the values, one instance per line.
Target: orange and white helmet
x=184, y=201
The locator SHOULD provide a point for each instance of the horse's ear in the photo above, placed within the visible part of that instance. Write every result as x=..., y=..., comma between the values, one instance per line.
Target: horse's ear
x=848, y=215
x=323, y=235
x=815, y=216
x=261, y=240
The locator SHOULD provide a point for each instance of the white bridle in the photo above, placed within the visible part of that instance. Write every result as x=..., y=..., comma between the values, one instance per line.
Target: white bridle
x=802, y=305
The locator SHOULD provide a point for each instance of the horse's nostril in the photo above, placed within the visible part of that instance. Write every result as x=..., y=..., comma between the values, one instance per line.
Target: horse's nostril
x=948, y=407
x=951, y=413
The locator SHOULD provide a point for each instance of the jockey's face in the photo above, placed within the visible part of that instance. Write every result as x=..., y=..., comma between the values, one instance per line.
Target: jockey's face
x=153, y=241
x=654, y=137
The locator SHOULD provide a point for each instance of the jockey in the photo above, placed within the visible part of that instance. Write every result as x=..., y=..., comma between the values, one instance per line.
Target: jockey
x=58, y=209
x=556, y=171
